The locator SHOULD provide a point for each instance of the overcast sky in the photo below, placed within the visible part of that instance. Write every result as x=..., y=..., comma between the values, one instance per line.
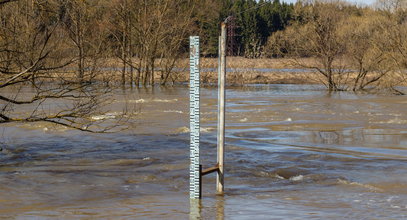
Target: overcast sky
x=367, y=2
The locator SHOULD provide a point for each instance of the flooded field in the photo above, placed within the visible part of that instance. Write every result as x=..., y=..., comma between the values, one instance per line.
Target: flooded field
x=292, y=152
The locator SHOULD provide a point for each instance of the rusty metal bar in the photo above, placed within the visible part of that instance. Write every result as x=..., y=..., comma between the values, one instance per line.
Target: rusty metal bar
x=210, y=170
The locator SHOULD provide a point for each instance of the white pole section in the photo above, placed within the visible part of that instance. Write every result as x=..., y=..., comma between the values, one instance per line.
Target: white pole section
x=221, y=111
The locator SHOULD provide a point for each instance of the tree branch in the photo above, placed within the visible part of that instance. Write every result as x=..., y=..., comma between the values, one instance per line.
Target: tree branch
x=6, y=1
x=9, y=81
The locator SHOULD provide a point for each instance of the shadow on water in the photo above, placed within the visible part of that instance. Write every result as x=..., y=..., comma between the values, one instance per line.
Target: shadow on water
x=217, y=208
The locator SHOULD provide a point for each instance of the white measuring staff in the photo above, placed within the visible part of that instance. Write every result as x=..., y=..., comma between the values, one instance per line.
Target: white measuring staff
x=194, y=116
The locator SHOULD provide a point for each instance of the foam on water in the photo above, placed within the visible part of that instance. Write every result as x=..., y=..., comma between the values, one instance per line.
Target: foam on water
x=367, y=186
x=393, y=121
x=297, y=178
x=173, y=111
x=243, y=120
x=153, y=100
x=279, y=177
x=137, y=101
x=165, y=100
x=186, y=130
x=110, y=115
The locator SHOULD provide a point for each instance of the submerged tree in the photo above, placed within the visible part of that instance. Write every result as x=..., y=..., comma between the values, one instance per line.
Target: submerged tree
x=351, y=48
x=316, y=34
x=148, y=44
x=368, y=52
x=86, y=34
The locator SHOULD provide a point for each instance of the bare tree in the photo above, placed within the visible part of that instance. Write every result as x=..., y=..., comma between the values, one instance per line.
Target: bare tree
x=351, y=50
x=31, y=46
x=147, y=44
x=368, y=51
x=317, y=35
x=84, y=23
x=6, y=1
x=121, y=30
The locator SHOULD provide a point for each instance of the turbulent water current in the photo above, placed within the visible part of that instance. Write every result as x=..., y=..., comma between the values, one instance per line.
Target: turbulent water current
x=292, y=152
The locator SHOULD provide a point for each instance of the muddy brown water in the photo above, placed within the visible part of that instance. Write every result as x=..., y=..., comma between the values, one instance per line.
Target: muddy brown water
x=292, y=152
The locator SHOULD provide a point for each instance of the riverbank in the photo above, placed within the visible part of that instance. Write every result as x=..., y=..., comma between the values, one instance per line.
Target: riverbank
x=240, y=71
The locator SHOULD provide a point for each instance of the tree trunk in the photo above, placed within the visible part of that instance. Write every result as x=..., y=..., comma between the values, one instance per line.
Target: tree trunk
x=146, y=74
x=81, y=55
x=152, y=71
x=124, y=42
x=124, y=58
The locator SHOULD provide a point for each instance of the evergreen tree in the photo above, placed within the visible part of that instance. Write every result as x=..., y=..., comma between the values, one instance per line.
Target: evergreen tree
x=255, y=21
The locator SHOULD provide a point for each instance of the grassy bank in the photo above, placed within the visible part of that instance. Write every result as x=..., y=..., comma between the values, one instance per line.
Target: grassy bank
x=250, y=71
x=240, y=71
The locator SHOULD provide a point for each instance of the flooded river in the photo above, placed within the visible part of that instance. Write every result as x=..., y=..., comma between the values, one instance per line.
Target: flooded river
x=292, y=152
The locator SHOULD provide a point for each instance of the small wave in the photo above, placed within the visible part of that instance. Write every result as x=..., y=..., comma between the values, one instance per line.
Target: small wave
x=122, y=162
x=393, y=121
x=207, y=129
x=391, y=198
x=297, y=178
x=293, y=178
x=397, y=121
x=110, y=115
x=182, y=130
x=185, y=129
x=243, y=120
x=367, y=186
x=165, y=100
x=173, y=111
x=279, y=177
x=208, y=113
x=137, y=101
x=45, y=127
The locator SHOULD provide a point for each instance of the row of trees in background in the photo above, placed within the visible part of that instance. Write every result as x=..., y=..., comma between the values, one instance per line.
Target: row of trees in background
x=48, y=36
x=146, y=38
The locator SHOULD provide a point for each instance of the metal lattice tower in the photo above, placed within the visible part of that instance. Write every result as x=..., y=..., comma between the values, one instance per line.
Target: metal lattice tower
x=231, y=37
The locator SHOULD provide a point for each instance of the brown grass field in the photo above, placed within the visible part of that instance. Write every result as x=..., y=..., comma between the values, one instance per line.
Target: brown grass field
x=241, y=71
x=246, y=71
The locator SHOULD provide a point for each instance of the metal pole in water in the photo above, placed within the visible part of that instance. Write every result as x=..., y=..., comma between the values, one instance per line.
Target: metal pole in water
x=219, y=58
x=221, y=111
x=194, y=116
